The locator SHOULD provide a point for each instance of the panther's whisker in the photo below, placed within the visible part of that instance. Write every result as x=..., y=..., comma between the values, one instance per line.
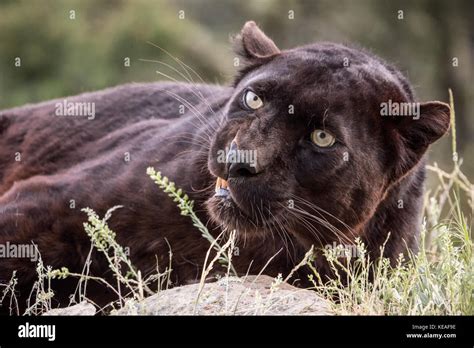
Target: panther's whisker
x=306, y=215
x=183, y=65
x=189, y=86
x=314, y=206
x=311, y=228
x=319, y=210
x=194, y=110
x=285, y=234
x=204, y=122
x=323, y=223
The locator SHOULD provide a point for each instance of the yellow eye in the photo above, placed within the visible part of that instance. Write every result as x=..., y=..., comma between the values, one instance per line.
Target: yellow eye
x=252, y=101
x=322, y=138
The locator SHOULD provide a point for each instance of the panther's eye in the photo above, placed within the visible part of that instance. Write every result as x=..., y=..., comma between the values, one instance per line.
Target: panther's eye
x=323, y=138
x=252, y=101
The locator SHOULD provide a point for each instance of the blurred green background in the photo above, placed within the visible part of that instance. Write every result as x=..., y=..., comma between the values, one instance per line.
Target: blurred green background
x=61, y=56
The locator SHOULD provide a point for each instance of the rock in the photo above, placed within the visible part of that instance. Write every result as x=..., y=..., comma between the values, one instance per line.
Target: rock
x=83, y=308
x=253, y=295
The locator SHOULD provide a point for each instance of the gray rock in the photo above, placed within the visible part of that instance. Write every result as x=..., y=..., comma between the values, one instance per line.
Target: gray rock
x=83, y=308
x=253, y=295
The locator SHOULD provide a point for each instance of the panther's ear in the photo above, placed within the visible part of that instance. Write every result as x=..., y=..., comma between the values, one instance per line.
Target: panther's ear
x=253, y=46
x=411, y=136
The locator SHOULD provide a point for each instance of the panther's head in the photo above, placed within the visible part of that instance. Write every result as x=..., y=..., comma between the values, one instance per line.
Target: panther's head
x=310, y=140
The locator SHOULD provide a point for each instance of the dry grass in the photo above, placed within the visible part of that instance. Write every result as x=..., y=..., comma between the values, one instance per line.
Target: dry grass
x=439, y=279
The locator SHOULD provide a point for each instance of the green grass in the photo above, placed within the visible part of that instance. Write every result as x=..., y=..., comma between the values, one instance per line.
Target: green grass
x=438, y=280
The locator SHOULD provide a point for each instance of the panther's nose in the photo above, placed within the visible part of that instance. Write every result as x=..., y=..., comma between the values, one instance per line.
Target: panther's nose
x=238, y=164
x=241, y=169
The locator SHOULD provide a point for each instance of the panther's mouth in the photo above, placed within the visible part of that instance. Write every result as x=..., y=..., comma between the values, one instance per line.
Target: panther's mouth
x=241, y=205
x=226, y=197
x=222, y=188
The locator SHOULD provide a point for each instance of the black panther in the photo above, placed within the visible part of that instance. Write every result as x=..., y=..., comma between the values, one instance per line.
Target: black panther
x=323, y=165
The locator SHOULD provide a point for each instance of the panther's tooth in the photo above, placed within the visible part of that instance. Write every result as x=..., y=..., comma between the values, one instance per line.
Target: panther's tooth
x=221, y=187
x=218, y=184
x=224, y=184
